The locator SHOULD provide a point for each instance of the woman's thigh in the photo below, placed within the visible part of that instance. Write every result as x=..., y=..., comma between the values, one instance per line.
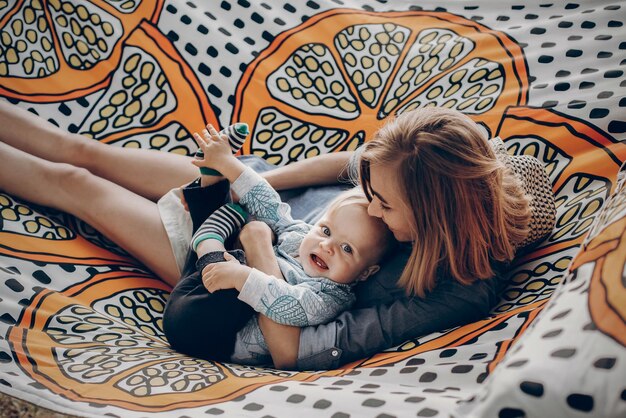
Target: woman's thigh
x=131, y=221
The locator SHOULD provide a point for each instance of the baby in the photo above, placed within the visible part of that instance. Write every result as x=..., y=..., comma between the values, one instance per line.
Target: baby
x=319, y=263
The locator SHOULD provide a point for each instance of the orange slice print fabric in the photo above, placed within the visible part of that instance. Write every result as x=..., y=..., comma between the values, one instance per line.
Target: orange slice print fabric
x=605, y=249
x=153, y=100
x=54, y=50
x=329, y=84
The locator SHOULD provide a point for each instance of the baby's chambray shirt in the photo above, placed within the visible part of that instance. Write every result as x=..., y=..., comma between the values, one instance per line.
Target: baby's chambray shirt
x=299, y=300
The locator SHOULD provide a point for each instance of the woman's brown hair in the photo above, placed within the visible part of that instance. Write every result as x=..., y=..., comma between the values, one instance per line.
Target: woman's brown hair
x=468, y=208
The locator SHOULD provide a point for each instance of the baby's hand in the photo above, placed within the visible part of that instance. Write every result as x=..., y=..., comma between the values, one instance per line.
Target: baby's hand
x=215, y=147
x=226, y=275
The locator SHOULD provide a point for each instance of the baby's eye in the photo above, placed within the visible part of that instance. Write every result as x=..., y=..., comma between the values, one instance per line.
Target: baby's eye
x=384, y=207
x=346, y=248
x=325, y=230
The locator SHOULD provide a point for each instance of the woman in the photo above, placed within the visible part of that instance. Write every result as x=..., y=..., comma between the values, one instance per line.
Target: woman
x=465, y=206
x=431, y=176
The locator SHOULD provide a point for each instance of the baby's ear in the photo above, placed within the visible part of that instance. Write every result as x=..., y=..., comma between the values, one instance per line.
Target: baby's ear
x=368, y=272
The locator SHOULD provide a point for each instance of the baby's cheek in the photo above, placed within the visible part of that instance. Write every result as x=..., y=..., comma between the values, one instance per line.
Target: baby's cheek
x=348, y=269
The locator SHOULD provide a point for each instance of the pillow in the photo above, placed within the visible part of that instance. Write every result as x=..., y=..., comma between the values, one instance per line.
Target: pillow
x=572, y=359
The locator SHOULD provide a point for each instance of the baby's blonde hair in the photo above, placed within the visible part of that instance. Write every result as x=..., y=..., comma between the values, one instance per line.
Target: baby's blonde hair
x=468, y=208
x=356, y=197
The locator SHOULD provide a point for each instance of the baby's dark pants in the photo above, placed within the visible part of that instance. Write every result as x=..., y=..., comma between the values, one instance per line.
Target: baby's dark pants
x=196, y=322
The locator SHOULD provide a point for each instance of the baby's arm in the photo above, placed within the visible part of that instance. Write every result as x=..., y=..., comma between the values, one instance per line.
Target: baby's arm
x=263, y=202
x=229, y=274
x=256, y=239
x=312, y=302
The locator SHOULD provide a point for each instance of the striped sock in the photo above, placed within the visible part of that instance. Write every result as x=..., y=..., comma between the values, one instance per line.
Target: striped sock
x=237, y=135
x=220, y=225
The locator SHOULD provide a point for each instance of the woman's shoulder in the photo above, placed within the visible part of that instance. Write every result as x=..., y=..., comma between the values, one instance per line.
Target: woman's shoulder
x=383, y=287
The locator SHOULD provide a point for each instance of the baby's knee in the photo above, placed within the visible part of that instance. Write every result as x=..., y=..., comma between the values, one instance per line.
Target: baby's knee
x=253, y=230
x=256, y=226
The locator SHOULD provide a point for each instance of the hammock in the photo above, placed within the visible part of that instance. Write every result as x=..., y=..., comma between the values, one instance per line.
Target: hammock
x=80, y=321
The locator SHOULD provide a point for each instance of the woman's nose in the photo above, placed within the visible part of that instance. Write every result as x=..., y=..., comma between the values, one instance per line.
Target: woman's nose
x=373, y=209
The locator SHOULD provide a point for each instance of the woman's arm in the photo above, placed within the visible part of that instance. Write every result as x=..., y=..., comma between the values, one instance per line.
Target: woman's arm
x=322, y=169
x=283, y=342
x=386, y=317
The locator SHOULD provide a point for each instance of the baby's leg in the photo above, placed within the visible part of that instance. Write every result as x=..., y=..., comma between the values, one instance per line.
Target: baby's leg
x=210, y=246
x=197, y=322
x=131, y=221
x=203, y=324
x=218, y=227
x=148, y=173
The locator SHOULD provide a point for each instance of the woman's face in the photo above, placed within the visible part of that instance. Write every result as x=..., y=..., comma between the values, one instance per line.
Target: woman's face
x=388, y=201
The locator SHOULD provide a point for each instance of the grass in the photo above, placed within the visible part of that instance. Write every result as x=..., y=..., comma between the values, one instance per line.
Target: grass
x=11, y=407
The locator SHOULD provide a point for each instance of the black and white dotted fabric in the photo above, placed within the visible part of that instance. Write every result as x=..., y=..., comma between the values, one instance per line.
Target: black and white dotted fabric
x=565, y=364
x=574, y=50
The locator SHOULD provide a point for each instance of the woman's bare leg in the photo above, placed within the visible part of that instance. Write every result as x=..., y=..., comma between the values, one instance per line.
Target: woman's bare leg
x=131, y=221
x=148, y=173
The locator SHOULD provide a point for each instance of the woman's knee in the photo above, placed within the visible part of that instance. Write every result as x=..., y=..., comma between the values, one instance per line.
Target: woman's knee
x=65, y=172
x=82, y=151
x=63, y=182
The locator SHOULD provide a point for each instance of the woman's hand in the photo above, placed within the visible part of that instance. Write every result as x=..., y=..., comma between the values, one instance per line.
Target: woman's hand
x=226, y=275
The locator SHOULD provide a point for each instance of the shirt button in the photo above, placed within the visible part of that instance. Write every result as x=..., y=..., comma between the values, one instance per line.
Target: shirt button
x=334, y=353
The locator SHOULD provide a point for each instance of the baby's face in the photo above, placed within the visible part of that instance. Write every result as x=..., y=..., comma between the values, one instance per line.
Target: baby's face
x=342, y=245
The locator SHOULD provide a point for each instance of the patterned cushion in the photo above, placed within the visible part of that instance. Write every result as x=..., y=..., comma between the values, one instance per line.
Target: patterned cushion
x=537, y=185
x=572, y=359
